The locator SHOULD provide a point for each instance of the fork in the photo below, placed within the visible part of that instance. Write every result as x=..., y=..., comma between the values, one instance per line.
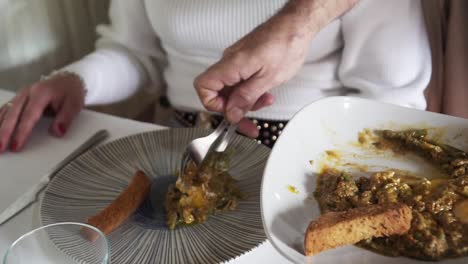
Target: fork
x=217, y=141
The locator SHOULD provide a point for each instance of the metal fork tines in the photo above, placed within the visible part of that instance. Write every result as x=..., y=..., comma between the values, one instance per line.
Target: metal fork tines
x=217, y=141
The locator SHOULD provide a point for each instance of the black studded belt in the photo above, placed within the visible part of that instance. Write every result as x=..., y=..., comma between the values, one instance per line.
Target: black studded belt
x=269, y=130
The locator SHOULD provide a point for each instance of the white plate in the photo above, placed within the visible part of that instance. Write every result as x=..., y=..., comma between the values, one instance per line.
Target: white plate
x=334, y=123
x=95, y=179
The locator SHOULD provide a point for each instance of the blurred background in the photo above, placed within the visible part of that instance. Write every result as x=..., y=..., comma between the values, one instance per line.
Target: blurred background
x=38, y=36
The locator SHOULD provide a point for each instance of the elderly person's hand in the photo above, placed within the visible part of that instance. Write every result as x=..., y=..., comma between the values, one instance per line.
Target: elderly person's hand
x=265, y=58
x=62, y=95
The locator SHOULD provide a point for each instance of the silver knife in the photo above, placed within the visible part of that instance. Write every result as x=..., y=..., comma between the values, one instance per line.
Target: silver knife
x=32, y=195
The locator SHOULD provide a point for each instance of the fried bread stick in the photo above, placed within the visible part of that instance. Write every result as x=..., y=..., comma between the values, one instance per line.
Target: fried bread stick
x=121, y=208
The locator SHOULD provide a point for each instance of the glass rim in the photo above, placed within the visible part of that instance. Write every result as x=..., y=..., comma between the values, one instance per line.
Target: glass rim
x=99, y=232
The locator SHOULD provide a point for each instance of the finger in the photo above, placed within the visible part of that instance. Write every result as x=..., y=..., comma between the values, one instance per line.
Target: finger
x=2, y=113
x=33, y=111
x=208, y=92
x=265, y=100
x=248, y=128
x=229, y=71
x=65, y=116
x=221, y=99
x=210, y=84
x=10, y=121
x=244, y=97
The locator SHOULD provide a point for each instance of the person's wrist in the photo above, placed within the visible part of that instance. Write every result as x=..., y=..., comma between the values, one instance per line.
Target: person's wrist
x=297, y=25
x=311, y=16
x=68, y=77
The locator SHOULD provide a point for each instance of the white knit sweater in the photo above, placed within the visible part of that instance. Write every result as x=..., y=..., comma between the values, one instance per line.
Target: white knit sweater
x=378, y=49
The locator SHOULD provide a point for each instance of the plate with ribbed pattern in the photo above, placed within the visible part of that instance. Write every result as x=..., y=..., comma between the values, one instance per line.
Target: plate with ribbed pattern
x=95, y=179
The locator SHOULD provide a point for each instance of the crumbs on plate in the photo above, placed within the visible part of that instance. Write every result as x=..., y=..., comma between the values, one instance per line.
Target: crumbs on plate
x=293, y=189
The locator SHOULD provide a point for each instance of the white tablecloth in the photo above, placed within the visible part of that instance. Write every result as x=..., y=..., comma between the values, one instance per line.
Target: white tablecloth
x=19, y=171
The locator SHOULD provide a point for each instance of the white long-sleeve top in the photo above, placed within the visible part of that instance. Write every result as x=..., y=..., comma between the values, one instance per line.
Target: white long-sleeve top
x=378, y=50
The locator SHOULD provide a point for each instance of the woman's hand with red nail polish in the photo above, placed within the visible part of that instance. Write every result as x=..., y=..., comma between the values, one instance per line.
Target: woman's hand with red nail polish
x=62, y=94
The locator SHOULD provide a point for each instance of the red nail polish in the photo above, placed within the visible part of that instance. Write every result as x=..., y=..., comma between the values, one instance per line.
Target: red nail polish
x=62, y=129
x=14, y=146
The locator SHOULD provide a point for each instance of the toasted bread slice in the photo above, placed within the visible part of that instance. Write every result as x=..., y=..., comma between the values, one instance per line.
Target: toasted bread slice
x=122, y=207
x=336, y=229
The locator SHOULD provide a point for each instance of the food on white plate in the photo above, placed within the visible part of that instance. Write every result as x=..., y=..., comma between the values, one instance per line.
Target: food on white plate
x=201, y=192
x=122, y=207
x=334, y=229
x=439, y=227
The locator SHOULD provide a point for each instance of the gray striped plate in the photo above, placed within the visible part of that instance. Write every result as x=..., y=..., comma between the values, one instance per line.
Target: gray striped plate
x=92, y=181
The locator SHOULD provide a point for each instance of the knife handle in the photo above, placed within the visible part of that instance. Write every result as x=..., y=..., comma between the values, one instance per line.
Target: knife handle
x=91, y=142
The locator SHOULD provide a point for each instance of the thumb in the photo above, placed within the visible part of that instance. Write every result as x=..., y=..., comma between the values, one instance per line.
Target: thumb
x=243, y=98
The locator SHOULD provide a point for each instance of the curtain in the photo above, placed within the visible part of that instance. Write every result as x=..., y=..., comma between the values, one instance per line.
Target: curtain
x=447, y=25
